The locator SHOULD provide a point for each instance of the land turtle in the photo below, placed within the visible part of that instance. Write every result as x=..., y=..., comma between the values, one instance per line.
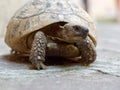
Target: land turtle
x=57, y=28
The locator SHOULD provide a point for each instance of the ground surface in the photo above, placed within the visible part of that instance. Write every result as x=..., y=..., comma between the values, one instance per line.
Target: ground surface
x=104, y=74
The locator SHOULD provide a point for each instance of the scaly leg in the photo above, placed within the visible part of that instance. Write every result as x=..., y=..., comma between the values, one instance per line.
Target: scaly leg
x=88, y=52
x=38, y=50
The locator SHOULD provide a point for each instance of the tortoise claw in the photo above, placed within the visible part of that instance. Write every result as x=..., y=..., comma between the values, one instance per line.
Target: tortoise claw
x=40, y=65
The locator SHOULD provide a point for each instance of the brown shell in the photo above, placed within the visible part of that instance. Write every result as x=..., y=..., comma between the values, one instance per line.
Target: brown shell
x=37, y=14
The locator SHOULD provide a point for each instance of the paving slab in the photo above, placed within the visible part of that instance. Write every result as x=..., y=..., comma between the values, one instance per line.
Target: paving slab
x=16, y=73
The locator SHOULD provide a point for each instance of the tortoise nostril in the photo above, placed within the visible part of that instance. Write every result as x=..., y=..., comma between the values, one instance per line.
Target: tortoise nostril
x=86, y=30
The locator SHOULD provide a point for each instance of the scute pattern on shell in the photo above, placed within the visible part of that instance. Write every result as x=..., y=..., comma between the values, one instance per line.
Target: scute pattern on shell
x=37, y=14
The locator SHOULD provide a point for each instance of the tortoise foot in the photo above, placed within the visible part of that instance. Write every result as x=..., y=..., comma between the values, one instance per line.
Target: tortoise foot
x=37, y=55
x=87, y=51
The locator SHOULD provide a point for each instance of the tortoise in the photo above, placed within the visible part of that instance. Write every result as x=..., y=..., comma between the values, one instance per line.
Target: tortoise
x=59, y=28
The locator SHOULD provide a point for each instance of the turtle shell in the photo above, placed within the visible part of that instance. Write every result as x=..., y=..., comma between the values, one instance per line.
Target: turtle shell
x=37, y=14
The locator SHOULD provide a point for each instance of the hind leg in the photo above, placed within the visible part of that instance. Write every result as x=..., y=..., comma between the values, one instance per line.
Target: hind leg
x=87, y=51
x=38, y=50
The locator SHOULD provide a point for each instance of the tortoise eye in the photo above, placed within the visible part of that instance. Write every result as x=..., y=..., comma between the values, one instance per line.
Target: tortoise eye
x=76, y=28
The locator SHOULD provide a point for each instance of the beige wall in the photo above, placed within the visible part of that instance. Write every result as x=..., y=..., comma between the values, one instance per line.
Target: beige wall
x=103, y=8
x=7, y=9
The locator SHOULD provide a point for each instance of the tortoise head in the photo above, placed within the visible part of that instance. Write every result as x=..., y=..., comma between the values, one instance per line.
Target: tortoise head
x=74, y=33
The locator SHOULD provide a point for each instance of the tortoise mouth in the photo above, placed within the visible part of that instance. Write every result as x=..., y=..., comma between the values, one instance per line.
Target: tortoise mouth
x=81, y=36
x=69, y=41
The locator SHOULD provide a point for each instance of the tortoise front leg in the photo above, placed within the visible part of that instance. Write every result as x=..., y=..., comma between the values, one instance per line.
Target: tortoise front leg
x=37, y=55
x=14, y=52
x=87, y=51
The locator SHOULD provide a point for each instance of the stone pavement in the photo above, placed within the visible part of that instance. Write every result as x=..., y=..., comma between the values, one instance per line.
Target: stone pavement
x=16, y=73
